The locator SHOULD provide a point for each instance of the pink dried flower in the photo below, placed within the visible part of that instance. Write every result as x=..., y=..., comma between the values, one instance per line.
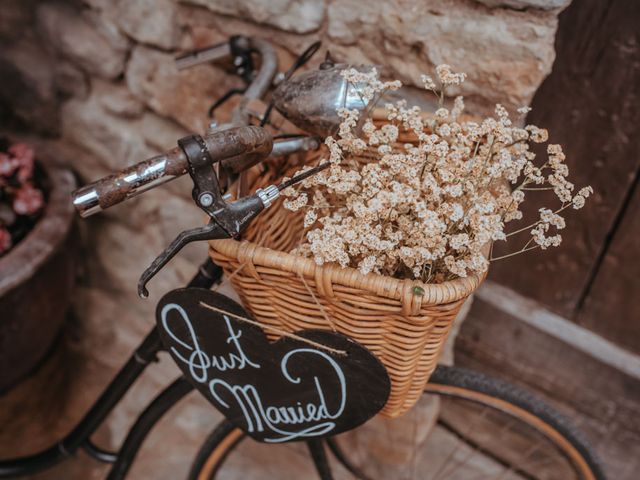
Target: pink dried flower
x=24, y=155
x=28, y=200
x=22, y=152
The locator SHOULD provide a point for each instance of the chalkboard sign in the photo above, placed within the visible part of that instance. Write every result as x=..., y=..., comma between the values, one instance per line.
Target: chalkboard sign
x=320, y=384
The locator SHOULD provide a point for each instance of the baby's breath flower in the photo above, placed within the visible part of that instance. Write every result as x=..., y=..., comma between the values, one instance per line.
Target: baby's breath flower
x=444, y=130
x=428, y=82
x=585, y=191
x=503, y=115
x=447, y=77
x=561, y=187
x=518, y=196
x=367, y=264
x=296, y=203
x=554, y=149
x=427, y=208
x=457, y=267
x=538, y=135
x=579, y=200
x=367, y=83
x=310, y=218
x=552, y=218
x=512, y=215
x=459, y=241
x=441, y=114
x=540, y=238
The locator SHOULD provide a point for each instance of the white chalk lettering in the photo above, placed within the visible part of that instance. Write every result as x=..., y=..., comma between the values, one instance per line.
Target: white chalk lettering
x=277, y=420
x=259, y=417
x=199, y=362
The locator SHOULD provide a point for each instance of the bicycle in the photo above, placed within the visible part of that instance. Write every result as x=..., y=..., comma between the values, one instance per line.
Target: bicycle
x=515, y=434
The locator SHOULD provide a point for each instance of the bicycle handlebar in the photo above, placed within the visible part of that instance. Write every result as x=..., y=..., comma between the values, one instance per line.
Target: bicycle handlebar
x=237, y=149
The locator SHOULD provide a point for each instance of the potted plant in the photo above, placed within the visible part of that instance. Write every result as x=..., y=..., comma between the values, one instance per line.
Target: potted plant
x=36, y=258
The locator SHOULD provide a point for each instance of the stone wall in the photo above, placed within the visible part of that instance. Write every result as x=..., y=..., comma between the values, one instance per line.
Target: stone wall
x=97, y=76
x=100, y=74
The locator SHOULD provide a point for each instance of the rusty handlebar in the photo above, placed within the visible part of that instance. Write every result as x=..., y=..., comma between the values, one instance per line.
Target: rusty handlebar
x=237, y=149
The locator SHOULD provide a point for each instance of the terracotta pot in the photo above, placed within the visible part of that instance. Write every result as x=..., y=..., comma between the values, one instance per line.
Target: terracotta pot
x=36, y=282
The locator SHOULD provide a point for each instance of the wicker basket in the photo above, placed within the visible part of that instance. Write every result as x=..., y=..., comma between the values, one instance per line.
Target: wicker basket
x=404, y=330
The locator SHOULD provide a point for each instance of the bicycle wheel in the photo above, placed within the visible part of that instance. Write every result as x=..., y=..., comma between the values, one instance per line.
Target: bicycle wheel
x=467, y=426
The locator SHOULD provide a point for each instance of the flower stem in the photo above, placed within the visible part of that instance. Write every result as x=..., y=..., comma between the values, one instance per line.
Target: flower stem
x=514, y=253
x=536, y=223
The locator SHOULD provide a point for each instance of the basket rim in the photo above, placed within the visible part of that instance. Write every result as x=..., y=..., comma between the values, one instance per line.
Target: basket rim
x=252, y=254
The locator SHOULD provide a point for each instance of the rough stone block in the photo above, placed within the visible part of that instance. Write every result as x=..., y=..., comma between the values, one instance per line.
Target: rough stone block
x=116, y=142
x=151, y=22
x=527, y=4
x=505, y=53
x=300, y=16
x=86, y=40
x=182, y=95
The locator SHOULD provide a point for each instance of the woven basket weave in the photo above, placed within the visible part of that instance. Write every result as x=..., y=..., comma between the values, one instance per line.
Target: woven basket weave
x=404, y=330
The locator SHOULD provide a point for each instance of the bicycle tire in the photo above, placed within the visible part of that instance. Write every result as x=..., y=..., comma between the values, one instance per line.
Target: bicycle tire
x=453, y=382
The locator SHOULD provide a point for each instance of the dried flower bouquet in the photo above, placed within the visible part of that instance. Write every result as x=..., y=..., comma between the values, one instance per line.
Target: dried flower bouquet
x=426, y=209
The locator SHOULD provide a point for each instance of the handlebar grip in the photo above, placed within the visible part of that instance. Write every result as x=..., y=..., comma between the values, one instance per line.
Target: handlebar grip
x=236, y=148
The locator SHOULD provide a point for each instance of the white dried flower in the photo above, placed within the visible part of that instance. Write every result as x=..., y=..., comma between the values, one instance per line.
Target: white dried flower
x=447, y=77
x=503, y=115
x=367, y=83
x=310, y=218
x=428, y=82
x=579, y=200
x=427, y=208
x=441, y=114
x=540, y=238
x=459, y=241
x=296, y=203
x=538, y=135
x=552, y=218
x=367, y=264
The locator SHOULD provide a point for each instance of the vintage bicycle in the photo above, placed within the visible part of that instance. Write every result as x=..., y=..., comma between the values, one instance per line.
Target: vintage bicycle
x=484, y=428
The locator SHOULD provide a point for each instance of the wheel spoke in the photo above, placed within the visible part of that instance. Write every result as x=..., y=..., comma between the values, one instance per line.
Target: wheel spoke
x=457, y=447
x=475, y=449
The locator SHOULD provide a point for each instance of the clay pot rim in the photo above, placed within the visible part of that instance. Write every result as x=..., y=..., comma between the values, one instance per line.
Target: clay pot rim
x=44, y=239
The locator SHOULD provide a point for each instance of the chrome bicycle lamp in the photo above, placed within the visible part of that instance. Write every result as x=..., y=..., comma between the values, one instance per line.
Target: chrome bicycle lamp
x=311, y=100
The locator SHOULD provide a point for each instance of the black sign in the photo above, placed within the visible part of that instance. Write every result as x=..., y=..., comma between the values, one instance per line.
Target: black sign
x=276, y=392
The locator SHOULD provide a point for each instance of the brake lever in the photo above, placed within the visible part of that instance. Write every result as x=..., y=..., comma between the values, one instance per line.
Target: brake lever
x=239, y=213
x=227, y=220
x=207, y=195
x=207, y=232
